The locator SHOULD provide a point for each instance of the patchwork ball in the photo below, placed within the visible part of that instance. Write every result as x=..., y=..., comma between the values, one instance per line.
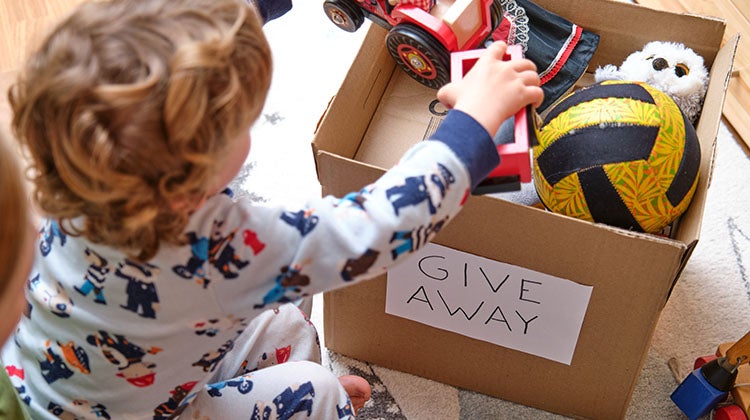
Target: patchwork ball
x=620, y=153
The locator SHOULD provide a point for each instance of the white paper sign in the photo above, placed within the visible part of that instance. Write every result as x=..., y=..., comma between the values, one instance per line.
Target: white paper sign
x=488, y=300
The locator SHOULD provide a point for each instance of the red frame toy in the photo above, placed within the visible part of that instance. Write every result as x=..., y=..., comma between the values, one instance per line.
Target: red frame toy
x=419, y=40
x=515, y=157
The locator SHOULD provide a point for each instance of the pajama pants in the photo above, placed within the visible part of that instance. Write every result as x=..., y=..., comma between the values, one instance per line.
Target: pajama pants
x=273, y=372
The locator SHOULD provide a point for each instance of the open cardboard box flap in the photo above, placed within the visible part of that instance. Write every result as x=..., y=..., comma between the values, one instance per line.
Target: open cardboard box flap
x=366, y=129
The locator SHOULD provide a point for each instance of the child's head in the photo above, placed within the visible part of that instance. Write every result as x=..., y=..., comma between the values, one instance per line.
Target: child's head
x=127, y=110
x=16, y=237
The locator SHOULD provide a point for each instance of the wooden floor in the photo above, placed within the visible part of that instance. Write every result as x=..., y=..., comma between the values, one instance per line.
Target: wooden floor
x=737, y=15
x=23, y=23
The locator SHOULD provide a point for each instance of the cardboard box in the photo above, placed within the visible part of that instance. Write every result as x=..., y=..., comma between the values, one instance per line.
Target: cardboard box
x=379, y=112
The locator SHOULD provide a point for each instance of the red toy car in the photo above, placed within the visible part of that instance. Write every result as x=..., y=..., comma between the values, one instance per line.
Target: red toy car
x=421, y=40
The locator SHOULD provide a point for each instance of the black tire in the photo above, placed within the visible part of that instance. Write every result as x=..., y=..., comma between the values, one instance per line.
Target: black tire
x=419, y=54
x=344, y=14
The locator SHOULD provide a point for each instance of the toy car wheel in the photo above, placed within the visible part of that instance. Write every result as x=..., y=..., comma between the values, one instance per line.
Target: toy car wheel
x=419, y=54
x=700, y=361
x=729, y=412
x=344, y=14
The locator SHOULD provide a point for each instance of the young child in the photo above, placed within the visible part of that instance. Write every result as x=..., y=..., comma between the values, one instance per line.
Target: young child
x=153, y=292
x=16, y=256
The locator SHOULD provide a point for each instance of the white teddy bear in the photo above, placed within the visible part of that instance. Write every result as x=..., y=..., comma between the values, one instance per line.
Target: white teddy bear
x=668, y=66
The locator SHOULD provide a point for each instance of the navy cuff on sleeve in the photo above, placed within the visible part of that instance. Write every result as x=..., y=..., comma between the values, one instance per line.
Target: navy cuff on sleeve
x=271, y=9
x=470, y=142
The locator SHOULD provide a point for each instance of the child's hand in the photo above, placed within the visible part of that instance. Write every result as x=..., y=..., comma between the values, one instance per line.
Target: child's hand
x=494, y=89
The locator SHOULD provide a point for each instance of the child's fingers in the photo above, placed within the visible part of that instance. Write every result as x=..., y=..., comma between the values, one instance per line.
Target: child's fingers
x=523, y=65
x=529, y=77
x=537, y=96
x=496, y=50
x=447, y=95
x=533, y=92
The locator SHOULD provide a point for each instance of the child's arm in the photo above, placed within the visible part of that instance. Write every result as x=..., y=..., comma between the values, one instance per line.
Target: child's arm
x=332, y=242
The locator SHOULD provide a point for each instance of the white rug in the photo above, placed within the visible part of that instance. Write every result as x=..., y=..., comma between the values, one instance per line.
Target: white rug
x=710, y=304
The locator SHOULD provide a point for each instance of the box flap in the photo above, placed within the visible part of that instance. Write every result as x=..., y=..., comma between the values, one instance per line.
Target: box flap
x=708, y=132
x=348, y=115
x=331, y=169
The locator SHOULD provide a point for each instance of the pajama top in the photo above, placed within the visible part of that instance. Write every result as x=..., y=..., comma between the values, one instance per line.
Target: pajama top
x=108, y=337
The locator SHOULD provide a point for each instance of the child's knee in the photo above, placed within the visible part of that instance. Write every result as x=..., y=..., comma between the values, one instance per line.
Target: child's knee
x=294, y=313
x=301, y=334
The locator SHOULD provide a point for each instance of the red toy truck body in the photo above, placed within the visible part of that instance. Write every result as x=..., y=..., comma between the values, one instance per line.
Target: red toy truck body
x=421, y=41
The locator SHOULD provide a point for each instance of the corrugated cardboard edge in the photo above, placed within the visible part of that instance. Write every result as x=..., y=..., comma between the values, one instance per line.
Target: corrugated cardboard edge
x=708, y=132
x=708, y=128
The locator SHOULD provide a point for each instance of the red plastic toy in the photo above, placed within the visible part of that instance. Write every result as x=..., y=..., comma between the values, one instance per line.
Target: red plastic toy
x=515, y=157
x=420, y=40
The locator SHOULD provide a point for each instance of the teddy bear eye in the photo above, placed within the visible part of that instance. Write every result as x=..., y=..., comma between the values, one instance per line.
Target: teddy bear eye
x=681, y=70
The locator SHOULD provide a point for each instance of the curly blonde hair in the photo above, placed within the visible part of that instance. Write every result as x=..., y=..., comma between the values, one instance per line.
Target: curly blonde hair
x=128, y=107
x=15, y=216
